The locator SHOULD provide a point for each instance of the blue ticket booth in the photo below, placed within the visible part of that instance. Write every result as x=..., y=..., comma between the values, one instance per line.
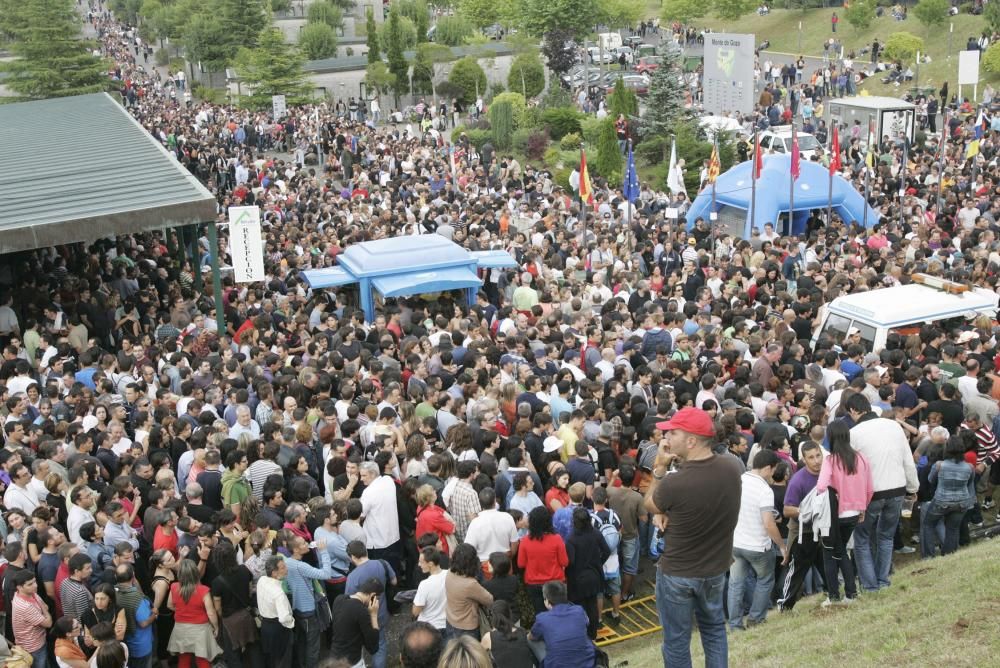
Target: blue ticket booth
x=405, y=266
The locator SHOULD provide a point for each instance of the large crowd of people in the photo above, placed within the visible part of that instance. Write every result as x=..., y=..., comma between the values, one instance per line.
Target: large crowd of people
x=500, y=474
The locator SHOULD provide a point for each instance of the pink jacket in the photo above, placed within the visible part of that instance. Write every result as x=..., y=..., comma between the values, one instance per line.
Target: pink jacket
x=853, y=491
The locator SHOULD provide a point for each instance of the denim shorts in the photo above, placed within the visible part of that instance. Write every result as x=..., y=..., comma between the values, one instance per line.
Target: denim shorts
x=630, y=555
x=613, y=587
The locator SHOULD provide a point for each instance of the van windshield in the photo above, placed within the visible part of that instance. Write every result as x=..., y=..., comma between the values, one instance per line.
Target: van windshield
x=836, y=327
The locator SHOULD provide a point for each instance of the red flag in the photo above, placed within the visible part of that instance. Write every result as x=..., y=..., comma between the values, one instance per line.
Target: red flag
x=758, y=161
x=586, y=189
x=795, y=155
x=835, y=163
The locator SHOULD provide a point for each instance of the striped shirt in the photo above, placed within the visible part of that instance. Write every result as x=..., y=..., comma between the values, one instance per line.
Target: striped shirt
x=300, y=581
x=258, y=473
x=76, y=598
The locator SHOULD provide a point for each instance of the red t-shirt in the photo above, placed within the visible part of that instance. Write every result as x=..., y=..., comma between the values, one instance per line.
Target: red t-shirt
x=191, y=611
x=164, y=541
x=542, y=560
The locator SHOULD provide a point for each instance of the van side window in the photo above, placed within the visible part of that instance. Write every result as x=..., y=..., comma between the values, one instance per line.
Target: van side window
x=836, y=328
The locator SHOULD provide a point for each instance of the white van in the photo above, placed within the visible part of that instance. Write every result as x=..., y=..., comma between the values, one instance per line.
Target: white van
x=904, y=309
x=609, y=40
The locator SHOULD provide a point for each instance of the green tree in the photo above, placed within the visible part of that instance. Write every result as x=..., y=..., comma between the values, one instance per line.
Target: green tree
x=453, y=30
x=527, y=75
x=665, y=104
x=684, y=10
x=932, y=13
x=205, y=42
x=860, y=14
x=318, y=41
x=428, y=55
x=378, y=78
x=903, y=46
x=280, y=5
x=416, y=11
x=732, y=10
x=622, y=101
x=273, y=67
x=578, y=17
x=609, y=161
x=617, y=13
x=374, y=52
x=559, y=50
x=468, y=77
x=243, y=20
x=323, y=11
x=405, y=30
x=394, y=45
x=51, y=58
x=502, y=124
x=480, y=13
x=991, y=12
x=991, y=59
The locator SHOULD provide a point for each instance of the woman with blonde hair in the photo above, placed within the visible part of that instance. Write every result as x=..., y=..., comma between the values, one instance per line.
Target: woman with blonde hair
x=432, y=518
x=464, y=652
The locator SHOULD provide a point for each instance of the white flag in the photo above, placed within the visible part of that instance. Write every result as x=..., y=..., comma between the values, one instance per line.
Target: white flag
x=675, y=180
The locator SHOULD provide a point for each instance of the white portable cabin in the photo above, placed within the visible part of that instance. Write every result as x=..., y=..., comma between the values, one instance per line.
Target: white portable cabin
x=903, y=308
x=889, y=115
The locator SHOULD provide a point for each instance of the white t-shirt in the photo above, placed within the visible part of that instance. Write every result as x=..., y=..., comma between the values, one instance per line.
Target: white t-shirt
x=491, y=531
x=430, y=595
x=378, y=503
x=757, y=497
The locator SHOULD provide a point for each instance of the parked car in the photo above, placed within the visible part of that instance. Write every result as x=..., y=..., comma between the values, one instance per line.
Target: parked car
x=619, y=50
x=779, y=140
x=637, y=83
x=596, y=56
x=574, y=77
x=648, y=64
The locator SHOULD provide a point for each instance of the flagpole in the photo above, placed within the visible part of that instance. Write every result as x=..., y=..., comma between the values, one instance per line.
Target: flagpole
x=791, y=181
x=583, y=208
x=753, y=181
x=940, y=161
x=902, y=186
x=627, y=190
x=712, y=216
x=868, y=170
x=829, y=190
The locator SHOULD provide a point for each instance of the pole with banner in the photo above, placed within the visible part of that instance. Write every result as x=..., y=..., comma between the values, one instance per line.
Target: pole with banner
x=902, y=184
x=795, y=167
x=834, y=168
x=755, y=170
x=213, y=242
x=631, y=192
x=714, y=167
x=586, y=197
x=278, y=106
x=869, y=166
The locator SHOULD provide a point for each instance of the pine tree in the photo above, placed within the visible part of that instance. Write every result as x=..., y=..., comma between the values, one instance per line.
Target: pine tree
x=244, y=21
x=272, y=68
x=665, y=108
x=51, y=58
x=394, y=52
x=609, y=160
x=622, y=101
x=374, y=52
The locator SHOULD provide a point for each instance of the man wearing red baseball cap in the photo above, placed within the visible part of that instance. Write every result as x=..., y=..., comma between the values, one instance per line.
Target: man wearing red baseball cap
x=697, y=505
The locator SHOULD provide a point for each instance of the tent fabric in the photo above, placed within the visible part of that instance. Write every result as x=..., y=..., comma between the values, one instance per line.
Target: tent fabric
x=812, y=189
x=418, y=282
x=329, y=277
x=494, y=259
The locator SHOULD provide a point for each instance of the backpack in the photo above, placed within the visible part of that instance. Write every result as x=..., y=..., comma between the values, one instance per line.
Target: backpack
x=612, y=536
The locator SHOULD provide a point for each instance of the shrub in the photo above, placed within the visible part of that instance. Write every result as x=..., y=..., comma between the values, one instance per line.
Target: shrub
x=458, y=130
x=452, y=30
x=323, y=11
x=518, y=107
x=561, y=177
x=519, y=140
x=570, y=142
x=591, y=130
x=557, y=97
x=651, y=150
x=407, y=32
x=318, y=40
x=527, y=75
x=478, y=137
x=562, y=121
x=903, y=46
x=609, y=161
x=538, y=143
x=469, y=78
x=991, y=59
x=176, y=64
x=502, y=123
x=552, y=156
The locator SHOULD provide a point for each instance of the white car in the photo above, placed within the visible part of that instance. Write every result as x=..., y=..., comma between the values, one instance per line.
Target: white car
x=779, y=140
x=595, y=55
x=627, y=50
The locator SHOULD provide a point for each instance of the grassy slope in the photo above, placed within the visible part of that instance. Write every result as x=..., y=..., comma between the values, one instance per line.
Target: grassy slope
x=943, y=612
x=781, y=28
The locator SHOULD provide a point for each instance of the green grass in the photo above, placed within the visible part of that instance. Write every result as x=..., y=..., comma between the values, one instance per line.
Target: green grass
x=781, y=27
x=943, y=612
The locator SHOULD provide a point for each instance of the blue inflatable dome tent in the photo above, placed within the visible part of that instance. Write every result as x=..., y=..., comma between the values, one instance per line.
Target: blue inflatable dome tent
x=812, y=188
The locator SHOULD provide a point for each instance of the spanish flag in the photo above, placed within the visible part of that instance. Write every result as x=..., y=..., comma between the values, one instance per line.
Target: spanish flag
x=586, y=189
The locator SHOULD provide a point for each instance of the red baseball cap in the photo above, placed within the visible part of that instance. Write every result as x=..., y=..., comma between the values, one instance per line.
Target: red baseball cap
x=692, y=420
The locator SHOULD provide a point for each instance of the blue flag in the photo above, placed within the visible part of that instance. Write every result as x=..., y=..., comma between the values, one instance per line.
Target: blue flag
x=631, y=185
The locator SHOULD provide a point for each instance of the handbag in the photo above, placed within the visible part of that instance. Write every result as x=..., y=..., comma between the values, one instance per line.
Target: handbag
x=241, y=626
x=323, y=614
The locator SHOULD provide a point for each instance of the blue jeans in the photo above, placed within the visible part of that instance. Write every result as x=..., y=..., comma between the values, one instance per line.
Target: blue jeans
x=677, y=598
x=873, y=542
x=380, y=657
x=40, y=657
x=931, y=517
x=762, y=565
